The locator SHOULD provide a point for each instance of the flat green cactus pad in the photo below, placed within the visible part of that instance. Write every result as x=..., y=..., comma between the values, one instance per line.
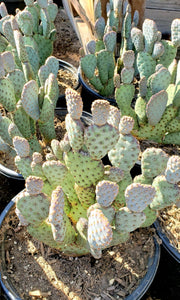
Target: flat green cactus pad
x=7, y=92
x=153, y=162
x=18, y=80
x=99, y=230
x=138, y=196
x=151, y=216
x=160, y=80
x=34, y=208
x=156, y=107
x=23, y=164
x=166, y=193
x=146, y=64
x=127, y=221
x=4, y=125
x=29, y=99
x=88, y=65
x=85, y=170
x=100, y=139
x=125, y=153
x=169, y=53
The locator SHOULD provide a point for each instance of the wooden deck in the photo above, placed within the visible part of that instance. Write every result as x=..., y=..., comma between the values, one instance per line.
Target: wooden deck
x=163, y=12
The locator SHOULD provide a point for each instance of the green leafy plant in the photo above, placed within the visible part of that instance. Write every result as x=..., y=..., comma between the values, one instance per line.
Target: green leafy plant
x=76, y=203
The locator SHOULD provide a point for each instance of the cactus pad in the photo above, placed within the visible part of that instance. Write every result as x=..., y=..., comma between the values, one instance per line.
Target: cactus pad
x=74, y=103
x=156, y=107
x=75, y=130
x=99, y=230
x=85, y=170
x=29, y=99
x=166, y=193
x=172, y=172
x=34, y=185
x=153, y=162
x=125, y=153
x=139, y=196
x=100, y=111
x=21, y=146
x=106, y=192
x=34, y=208
x=99, y=140
x=127, y=221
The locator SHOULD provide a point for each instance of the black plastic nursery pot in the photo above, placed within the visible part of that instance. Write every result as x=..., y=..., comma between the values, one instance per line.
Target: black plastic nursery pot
x=9, y=291
x=10, y=173
x=11, y=5
x=166, y=242
x=89, y=95
x=73, y=71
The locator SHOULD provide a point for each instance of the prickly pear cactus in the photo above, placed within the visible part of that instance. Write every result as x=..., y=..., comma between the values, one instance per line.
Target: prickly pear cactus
x=103, y=53
x=29, y=105
x=76, y=203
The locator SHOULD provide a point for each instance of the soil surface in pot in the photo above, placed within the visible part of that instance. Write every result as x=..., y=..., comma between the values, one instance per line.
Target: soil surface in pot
x=34, y=268
x=169, y=220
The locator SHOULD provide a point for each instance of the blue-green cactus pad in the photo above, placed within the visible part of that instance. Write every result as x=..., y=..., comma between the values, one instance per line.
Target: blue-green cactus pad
x=166, y=193
x=146, y=64
x=8, y=99
x=128, y=221
x=125, y=153
x=85, y=170
x=100, y=139
x=156, y=107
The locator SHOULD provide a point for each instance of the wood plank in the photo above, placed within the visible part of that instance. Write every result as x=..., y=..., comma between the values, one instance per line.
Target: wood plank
x=162, y=18
x=85, y=34
x=163, y=4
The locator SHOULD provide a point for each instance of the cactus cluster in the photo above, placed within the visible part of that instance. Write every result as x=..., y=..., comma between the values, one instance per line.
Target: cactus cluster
x=76, y=203
x=157, y=104
x=28, y=75
x=28, y=104
x=141, y=69
x=34, y=27
x=100, y=59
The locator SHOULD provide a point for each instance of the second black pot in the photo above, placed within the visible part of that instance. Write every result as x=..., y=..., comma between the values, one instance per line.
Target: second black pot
x=89, y=95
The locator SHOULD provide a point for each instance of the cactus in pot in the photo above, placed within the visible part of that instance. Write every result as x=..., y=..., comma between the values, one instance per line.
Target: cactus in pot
x=149, y=49
x=155, y=108
x=28, y=104
x=36, y=26
x=102, y=53
x=73, y=201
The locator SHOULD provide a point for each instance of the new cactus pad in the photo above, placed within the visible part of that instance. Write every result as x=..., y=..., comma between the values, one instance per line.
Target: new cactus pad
x=77, y=204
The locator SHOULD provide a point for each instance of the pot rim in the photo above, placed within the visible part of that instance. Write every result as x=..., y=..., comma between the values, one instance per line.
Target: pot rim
x=166, y=242
x=137, y=294
x=91, y=91
x=66, y=65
